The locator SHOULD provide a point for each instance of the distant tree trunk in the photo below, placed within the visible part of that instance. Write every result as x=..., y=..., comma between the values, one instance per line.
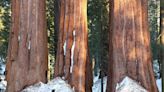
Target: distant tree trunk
x=27, y=59
x=71, y=63
x=162, y=40
x=130, y=53
x=56, y=21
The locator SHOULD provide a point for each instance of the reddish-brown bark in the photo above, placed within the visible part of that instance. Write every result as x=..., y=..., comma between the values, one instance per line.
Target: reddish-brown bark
x=130, y=53
x=88, y=75
x=73, y=20
x=59, y=58
x=27, y=53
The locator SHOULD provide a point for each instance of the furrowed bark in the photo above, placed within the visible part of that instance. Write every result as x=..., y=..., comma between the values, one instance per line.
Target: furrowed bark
x=130, y=53
x=73, y=32
x=27, y=59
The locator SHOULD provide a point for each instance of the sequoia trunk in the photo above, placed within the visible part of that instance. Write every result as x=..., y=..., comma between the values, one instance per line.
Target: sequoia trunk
x=27, y=53
x=72, y=44
x=130, y=53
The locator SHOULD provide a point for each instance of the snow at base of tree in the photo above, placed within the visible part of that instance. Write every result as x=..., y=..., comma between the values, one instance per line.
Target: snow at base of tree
x=3, y=82
x=156, y=69
x=129, y=85
x=157, y=74
x=60, y=85
x=3, y=85
x=56, y=85
x=159, y=84
x=97, y=84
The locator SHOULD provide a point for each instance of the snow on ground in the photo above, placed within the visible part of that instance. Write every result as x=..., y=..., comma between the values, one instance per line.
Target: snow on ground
x=59, y=85
x=159, y=84
x=56, y=85
x=3, y=84
x=129, y=85
x=156, y=68
x=2, y=68
x=97, y=85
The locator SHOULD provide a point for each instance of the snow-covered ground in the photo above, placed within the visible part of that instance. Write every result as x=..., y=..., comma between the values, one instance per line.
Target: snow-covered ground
x=59, y=85
x=129, y=85
x=156, y=68
x=56, y=85
x=159, y=84
x=97, y=84
x=3, y=82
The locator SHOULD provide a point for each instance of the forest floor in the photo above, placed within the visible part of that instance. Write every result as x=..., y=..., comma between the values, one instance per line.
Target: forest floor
x=59, y=85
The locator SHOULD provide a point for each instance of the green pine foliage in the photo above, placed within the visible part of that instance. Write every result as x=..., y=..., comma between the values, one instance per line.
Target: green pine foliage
x=5, y=22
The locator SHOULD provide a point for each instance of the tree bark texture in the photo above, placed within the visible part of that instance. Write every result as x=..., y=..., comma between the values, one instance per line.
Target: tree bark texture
x=27, y=59
x=162, y=39
x=71, y=63
x=130, y=53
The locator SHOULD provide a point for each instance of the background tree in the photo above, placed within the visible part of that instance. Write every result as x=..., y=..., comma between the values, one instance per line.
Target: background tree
x=52, y=41
x=162, y=39
x=154, y=28
x=130, y=53
x=5, y=22
x=27, y=52
x=98, y=25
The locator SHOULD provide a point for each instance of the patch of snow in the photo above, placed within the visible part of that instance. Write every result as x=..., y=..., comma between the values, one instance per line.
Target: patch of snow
x=72, y=52
x=64, y=47
x=3, y=83
x=159, y=84
x=2, y=68
x=19, y=38
x=39, y=87
x=156, y=68
x=56, y=85
x=96, y=78
x=129, y=85
x=97, y=84
x=29, y=45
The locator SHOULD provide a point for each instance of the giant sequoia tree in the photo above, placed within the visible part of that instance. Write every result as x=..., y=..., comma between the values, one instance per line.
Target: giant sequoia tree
x=130, y=53
x=27, y=52
x=72, y=53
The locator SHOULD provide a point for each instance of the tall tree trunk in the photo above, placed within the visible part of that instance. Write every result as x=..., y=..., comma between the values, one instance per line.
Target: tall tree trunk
x=162, y=40
x=130, y=49
x=72, y=43
x=56, y=21
x=27, y=53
